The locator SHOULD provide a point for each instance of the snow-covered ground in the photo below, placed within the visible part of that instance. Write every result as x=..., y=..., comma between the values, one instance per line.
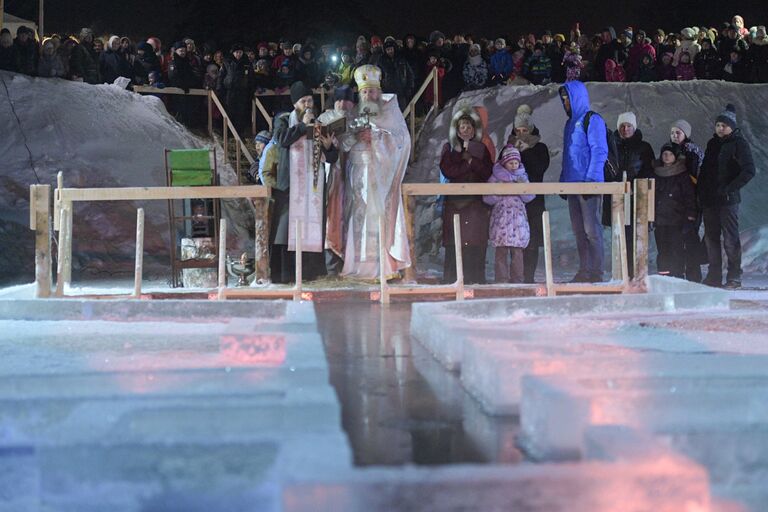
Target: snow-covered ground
x=98, y=136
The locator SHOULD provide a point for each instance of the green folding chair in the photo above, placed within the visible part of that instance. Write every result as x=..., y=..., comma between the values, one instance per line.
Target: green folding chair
x=199, y=218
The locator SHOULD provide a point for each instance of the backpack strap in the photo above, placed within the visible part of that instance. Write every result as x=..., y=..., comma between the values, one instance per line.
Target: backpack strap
x=587, y=117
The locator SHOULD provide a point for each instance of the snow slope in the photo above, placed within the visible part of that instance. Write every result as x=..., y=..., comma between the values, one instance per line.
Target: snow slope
x=99, y=136
x=656, y=105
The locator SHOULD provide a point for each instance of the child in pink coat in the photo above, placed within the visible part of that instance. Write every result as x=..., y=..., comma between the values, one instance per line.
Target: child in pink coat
x=509, y=231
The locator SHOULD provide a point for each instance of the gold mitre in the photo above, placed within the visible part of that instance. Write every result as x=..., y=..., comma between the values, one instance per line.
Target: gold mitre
x=368, y=76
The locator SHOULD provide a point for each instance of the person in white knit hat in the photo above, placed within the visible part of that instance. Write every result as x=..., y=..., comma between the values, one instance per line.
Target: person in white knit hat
x=634, y=156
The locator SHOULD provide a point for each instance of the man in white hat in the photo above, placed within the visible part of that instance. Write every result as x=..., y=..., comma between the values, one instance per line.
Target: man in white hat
x=379, y=147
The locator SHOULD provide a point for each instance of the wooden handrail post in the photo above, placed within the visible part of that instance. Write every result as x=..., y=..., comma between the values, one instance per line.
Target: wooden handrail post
x=68, y=243
x=322, y=99
x=622, y=235
x=139, y=265
x=458, y=246
x=263, y=111
x=57, y=200
x=225, y=136
x=412, y=126
x=409, y=205
x=237, y=162
x=40, y=223
x=435, y=90
x=261, y=238
x=548, y=255
x=60, y=266
x=222, y=258
x=210, y=115
x=617, y=205
x=641, y=228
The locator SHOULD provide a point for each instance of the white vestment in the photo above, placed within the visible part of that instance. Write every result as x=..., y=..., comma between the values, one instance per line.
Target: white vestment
x=306, y=197
x=375, y=172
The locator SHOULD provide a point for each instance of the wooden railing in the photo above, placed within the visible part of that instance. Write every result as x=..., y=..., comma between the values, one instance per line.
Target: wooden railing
x=644, y=213
x=227, y=127
x=258, y=106
x=63, y=220
x=410, y=110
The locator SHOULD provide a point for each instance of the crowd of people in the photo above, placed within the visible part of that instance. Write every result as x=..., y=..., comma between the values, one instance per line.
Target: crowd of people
x=340, y=216
x=732, y=52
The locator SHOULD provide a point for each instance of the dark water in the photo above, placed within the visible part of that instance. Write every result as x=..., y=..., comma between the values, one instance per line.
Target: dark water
x=399, y=405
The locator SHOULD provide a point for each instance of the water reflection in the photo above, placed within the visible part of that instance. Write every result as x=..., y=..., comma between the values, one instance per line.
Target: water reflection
x=399, y=405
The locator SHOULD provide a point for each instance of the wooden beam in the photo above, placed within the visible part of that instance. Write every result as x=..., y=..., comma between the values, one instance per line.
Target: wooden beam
x=68, y=243
x=263, y=111
x=261, y=238
x=588, y=288
x=641, y=228
x=155, y=193
x=228, y=124
x=409, y=203
x=460, y=189
x=40, y=210
x=139, y=265
x=548, y=255
x=145, y=89
x=617, y=206
x=210, y=115
x=222, y=257
x=457, y=247
x=64, y=223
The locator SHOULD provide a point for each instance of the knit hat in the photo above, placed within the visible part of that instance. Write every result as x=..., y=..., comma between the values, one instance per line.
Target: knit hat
x=285, y=45
x=684, y=126
x=85, y=32
x=523, y=117
x=236, y=47
x=298, y=91
x=375, y=40
x=559, y=37
x=509, y=152
x=500, y=42
x=390, y=44
x=627, y=117
x=145, y=47
x=688, y=33
x=343, y=93
x=672, y=148
x=263, y=136
x=728, y=116
x=434, y=36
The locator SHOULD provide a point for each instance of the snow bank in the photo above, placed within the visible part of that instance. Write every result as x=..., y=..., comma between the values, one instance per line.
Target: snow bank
x=656, y=105
x=98, y=136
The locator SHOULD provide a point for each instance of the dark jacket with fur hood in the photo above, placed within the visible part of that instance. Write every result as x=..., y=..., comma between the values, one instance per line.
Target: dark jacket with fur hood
x=475, y=215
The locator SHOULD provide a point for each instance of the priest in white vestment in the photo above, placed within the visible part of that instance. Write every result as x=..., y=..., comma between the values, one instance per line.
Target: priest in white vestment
x=379, y=146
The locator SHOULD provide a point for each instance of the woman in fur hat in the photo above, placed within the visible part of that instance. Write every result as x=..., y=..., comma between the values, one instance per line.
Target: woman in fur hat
x=465, y=159
x=535, y=159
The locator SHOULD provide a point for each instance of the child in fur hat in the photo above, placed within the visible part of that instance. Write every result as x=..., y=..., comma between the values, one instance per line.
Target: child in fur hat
x=509, y=231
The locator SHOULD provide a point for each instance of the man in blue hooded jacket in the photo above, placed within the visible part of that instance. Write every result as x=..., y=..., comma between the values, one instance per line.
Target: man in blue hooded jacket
x=584, y=154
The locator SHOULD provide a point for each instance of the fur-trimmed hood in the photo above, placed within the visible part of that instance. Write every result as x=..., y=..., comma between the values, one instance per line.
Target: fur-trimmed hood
x=453, y=133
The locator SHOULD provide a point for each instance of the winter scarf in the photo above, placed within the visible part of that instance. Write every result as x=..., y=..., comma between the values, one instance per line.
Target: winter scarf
x=665, y=171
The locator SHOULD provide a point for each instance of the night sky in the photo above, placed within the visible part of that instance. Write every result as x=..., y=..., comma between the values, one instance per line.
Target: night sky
x=226, y=21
